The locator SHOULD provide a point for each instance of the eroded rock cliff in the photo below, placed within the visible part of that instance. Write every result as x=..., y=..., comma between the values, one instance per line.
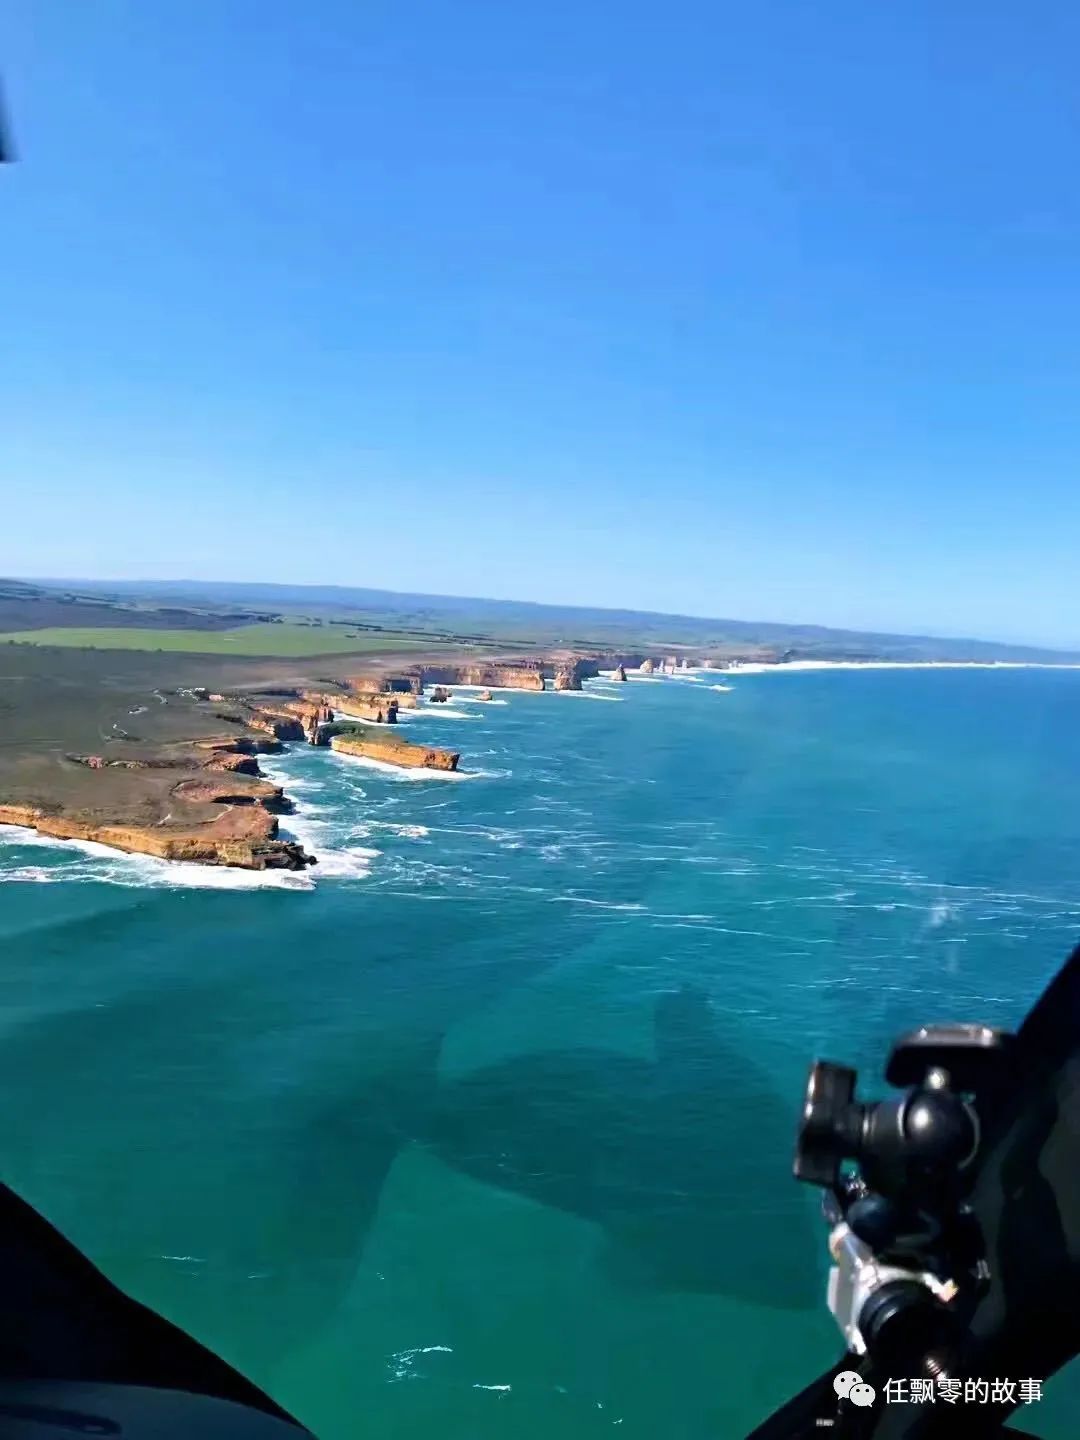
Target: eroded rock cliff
x=526, y=675
x=374, y=745
x=570, y=672
x=380, y=707
x=245, y=838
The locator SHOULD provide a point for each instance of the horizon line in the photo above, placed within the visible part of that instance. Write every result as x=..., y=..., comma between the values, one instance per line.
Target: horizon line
x=549, y=605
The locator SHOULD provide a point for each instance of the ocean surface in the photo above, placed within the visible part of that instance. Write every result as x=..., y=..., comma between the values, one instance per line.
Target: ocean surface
x=485, y=1128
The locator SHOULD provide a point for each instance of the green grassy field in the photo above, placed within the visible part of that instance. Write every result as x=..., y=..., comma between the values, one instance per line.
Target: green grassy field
x=271, y=640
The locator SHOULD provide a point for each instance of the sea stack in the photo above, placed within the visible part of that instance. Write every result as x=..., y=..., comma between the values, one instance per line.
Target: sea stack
x=647, y=666
x=620, y=673
x=374, y=746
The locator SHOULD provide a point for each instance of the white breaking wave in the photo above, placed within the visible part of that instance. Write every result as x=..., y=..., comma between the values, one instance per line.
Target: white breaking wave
x=441, y=711
x=402, y=1362
x=506, y=689
x=416, y=772
x=940, y=913
x=321, y=829
x=599, y=904
x=101, y=863
x=722, y=687
x=756, y=668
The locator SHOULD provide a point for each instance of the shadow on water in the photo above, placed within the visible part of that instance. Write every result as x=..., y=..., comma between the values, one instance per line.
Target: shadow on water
x=239, y=1214
x=683, y=1162
x=236, y=1191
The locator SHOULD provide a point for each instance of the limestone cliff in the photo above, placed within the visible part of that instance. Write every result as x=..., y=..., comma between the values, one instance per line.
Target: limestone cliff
x=380, y=707
x=241, y=745
x=280, y=726
x=400, y=685
x=287, y=719
x=373, y=745
x=232, y=763
x=244, y=838
x=570, y=672
x=526, y=675
x=236, y=789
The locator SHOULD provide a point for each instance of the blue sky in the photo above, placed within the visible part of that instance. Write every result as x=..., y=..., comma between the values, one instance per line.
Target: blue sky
x=768, y=310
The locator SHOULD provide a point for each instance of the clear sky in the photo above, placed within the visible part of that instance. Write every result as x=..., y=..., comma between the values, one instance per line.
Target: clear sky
x=766, y=310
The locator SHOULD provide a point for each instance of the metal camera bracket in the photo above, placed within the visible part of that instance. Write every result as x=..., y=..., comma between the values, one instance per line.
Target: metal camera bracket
x=905, y=1246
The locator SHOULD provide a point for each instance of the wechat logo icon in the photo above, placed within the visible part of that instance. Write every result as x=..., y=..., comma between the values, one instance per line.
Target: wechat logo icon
x=850, y=1385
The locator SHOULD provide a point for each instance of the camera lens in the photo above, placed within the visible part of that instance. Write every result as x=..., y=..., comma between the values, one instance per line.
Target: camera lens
x=830, y=1092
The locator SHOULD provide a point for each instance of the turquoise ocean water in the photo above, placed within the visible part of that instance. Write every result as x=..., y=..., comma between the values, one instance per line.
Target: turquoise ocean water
x=489, y=1132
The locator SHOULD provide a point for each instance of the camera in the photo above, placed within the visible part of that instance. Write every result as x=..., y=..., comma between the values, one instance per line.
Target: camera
x=953, y=1214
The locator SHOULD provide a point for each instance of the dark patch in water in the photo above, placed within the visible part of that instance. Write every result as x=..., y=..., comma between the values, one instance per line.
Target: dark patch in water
x=654, y=1153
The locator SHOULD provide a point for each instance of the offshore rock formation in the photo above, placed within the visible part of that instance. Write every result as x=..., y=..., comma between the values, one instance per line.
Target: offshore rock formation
x=619, y=673
x=373, y=745
x=570, y=673
x=647, y=666
x=439, y=695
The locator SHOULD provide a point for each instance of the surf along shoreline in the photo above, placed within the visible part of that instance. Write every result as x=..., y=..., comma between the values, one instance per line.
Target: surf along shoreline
x=162, y=759
x=158, y=755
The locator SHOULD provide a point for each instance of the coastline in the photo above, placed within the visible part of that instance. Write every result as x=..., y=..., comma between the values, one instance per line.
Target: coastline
x=134, y=869
x=189, y=793
x=752, y=667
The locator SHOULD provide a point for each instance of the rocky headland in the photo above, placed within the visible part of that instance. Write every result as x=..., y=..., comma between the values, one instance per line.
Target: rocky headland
x=183, y=782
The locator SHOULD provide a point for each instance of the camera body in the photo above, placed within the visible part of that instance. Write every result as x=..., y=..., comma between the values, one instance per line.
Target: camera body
x=953, y=1210
x=896, y=1173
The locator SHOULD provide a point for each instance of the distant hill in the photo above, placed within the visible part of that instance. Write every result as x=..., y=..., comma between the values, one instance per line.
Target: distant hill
x=216, y=604
x=26, y=606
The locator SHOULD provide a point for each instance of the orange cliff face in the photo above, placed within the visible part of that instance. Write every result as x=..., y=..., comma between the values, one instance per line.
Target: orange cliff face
x=244, y=838
x=281, y=727
x=402, y=685
x=526, y=676
x=210, y=814
x=570, y=673
x=375, y=746
x=378, y=706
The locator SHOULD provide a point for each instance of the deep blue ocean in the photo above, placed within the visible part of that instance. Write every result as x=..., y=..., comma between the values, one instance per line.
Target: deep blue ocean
x=486, y=1130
